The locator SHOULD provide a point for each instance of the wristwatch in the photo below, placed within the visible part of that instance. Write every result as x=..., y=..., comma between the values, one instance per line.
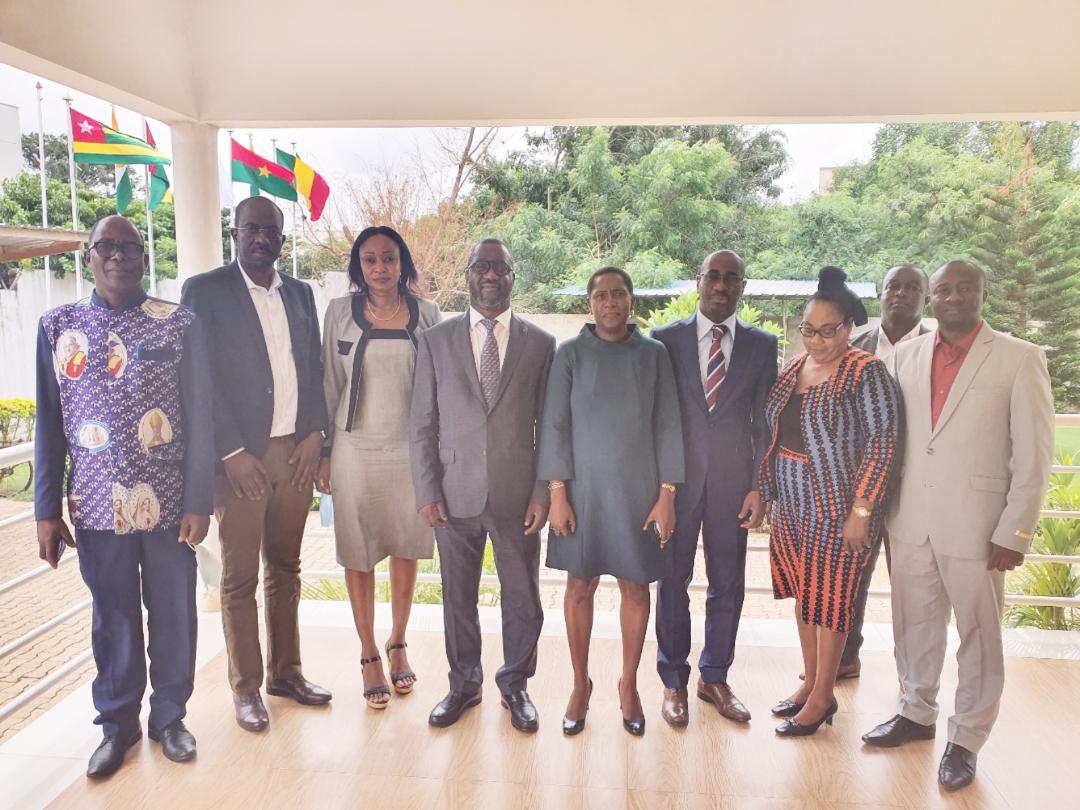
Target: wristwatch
x=861, y=511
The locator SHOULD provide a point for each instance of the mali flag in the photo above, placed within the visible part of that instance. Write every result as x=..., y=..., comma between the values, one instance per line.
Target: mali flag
x=93, y=142
x=309, y=183
x=262, y=174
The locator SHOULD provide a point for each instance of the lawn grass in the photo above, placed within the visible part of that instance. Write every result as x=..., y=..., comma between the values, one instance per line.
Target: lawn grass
x=13, y=486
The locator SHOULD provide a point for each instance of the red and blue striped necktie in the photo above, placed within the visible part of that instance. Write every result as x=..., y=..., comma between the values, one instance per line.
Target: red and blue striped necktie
x=717, y=367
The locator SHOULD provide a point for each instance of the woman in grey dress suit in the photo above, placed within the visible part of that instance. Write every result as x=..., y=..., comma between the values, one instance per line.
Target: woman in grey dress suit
x=369, y=348
x=611, y=449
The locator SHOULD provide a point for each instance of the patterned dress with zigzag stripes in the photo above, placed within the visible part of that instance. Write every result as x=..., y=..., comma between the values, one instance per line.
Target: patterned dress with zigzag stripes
x=850, y=427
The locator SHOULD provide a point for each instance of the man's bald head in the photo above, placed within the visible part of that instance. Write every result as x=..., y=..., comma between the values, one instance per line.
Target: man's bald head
x=263, y=206
x=487, y=245
x=957, y=293
x=723, y=257
x=117, y=223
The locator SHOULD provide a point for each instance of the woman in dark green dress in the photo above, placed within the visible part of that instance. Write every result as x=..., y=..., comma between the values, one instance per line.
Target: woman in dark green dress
x=611, y=449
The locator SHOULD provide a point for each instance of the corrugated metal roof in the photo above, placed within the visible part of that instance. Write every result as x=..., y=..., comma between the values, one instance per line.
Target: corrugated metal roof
x=27, y=242
x=755, y=288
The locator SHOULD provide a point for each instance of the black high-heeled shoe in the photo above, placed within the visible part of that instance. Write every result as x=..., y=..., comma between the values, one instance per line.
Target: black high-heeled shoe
x=787, y=708
x=572, y=727
x=793, y=728
x=633, y=725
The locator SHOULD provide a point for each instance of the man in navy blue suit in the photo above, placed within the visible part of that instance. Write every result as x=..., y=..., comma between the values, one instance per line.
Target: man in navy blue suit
x=724, y=369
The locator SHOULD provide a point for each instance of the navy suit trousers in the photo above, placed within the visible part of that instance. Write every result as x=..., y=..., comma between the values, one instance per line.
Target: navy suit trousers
x=123, y=572
x=716, y=520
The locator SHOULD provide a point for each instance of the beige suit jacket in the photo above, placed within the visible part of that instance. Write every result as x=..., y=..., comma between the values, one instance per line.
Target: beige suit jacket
x=980, y=475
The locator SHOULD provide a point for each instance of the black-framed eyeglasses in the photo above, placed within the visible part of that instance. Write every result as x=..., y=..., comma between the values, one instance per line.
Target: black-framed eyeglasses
x=485, y=266
x=107, y=248
x=254, y=230
x=826, y=331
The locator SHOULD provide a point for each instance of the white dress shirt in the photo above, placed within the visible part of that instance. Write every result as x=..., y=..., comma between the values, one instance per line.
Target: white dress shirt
x=275, y=328
x=886, y=348
x=704, y=343
x=478, y=334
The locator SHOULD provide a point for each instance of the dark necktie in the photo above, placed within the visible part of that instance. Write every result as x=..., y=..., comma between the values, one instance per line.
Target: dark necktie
x=716, y=369
x=489, y=363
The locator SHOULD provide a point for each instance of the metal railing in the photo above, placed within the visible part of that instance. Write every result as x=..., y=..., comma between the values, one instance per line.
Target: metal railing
x=21, y=453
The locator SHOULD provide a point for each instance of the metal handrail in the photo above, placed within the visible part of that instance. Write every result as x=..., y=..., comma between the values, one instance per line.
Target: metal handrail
x=15, y=582
x=16, y=644
x=16, y=454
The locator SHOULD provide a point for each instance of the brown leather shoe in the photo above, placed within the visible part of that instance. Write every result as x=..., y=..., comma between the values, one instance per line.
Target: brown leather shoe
x=299, y=689
x=719, y=694
x=250, y=712
x=674, y=710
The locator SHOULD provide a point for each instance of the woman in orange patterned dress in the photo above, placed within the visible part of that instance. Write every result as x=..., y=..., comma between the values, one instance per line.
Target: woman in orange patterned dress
x=834, y=414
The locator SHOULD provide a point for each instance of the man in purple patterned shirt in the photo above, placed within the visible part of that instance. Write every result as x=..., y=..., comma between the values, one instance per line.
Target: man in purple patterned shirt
x=123, y=391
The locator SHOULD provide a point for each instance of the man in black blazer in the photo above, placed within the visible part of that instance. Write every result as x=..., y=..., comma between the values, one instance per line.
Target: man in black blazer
x=905, y=292
x=724, y=369
x=269, y=419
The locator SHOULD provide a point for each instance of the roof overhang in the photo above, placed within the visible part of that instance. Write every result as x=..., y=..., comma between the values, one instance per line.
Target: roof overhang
x=430, y=62
x=27, y=243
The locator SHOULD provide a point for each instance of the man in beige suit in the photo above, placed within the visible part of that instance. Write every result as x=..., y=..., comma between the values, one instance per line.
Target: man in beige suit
x=978, y=450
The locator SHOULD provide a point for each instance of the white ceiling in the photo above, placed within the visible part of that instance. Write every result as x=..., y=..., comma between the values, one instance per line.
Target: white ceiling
x=436, y=62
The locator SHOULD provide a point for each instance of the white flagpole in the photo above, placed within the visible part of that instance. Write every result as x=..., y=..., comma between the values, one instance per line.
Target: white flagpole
x=75, y=224
x=44, y=197
x=232, y=203
x=149, y=223
x=295, y=257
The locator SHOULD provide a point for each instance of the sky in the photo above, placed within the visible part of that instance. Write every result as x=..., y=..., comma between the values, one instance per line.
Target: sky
x=354, y=154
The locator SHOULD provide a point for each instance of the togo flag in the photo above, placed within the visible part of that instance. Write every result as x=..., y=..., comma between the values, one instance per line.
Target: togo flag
x=123, y=182
x=159, y=181
x=93, y=142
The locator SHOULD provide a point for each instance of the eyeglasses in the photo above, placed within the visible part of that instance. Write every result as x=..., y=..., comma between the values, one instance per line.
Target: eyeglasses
x=828, y=330
x=107, y=248
x=483, y=266
x=273, y=234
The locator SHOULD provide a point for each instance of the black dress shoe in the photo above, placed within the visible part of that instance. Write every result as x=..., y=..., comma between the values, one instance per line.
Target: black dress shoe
x=787, y=708
x=793, y=728
x=250, y=712
x=634, y=725
x=177, y=743
x=523, y=715
x=957, y=767
x=299, y=689
x=897, y=731
x=109, y=756
x=449, y=709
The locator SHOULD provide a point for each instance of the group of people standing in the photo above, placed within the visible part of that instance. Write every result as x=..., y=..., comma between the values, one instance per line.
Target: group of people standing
x=633, y=449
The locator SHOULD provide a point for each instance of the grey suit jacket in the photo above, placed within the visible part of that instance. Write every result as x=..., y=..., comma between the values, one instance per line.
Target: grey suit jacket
x=460, y=450
x=979, y=476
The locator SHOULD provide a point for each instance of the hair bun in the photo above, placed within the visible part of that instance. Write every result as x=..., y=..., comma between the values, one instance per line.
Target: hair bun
x=831, y=278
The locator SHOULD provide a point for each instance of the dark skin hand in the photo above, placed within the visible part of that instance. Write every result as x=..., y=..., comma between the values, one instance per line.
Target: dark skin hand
x=193, y=528
x=49, y=533
x=753, y=510
x=247, y=476
x=1003, y=559
x=535, y=517
x=434, y=513
x=305, y=459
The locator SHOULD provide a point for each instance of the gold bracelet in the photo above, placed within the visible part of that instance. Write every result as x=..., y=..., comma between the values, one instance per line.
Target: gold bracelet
x=669, y=487
x=554, y=485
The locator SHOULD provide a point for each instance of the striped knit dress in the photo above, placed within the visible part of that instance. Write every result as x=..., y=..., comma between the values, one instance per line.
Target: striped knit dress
x=850, y=425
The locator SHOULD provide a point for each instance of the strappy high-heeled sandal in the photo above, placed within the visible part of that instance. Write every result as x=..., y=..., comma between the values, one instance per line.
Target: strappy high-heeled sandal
x=402, y=674
x=375, y=690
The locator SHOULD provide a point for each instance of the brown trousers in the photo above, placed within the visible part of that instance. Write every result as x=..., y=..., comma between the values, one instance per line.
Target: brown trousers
x=274, y=526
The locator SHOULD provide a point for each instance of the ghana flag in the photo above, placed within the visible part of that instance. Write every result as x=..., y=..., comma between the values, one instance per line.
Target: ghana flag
x=309, y=183
x=93, y=142
x=262, y=174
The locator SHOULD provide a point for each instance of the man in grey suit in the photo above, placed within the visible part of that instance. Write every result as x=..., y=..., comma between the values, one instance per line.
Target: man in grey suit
x=477, y=398
x=905, y=292
x=979, y=444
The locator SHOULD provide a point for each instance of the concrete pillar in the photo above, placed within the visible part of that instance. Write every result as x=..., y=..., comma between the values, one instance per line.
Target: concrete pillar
x=198, y=202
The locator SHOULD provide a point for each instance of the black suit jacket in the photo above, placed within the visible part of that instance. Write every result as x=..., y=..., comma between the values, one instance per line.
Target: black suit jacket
x=726, y=446
x=243, y=382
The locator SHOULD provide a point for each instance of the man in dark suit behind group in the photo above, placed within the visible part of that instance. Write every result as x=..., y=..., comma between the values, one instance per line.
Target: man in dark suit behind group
x=905, y=292
x=724, y=369
x=269, y=419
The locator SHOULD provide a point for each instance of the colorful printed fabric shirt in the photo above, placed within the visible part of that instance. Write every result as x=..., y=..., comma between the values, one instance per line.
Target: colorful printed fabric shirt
x=125, y=393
